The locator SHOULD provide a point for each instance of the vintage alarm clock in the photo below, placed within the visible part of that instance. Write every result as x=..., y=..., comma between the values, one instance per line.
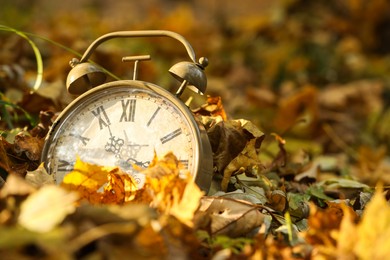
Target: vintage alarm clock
x=123, y=123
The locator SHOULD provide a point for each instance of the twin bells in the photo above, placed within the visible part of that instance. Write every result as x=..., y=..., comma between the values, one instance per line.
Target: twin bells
x=85, y=75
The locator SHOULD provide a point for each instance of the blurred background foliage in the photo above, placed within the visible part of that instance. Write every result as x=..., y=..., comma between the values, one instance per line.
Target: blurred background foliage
x=307, y=70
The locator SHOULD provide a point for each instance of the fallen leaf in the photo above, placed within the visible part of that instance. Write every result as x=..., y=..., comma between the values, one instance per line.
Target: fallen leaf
x=39, y=177
x=235, y=146
x=88, y=180
x=16, y=186
x=323, y=222
x=120, y=188
x=170, y=192
x=373, y=232
x=184, y=207
x=29, y=145
x=229, y=217
x=46, y=208
x=244, y=161
x=212, y=108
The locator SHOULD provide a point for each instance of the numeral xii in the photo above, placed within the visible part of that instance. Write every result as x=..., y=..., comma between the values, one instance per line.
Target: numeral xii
x=128, y=110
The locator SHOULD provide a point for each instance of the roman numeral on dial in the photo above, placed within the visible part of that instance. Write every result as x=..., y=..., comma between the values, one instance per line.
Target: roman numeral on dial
x=184, y=163
x=83, y=139
x=101, y=115
x=170, y=136
x=128, y=110
x=153, y=116
x=64, y=166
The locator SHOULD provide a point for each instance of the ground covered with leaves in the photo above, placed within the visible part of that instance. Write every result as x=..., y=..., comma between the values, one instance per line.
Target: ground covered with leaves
x=297, y=113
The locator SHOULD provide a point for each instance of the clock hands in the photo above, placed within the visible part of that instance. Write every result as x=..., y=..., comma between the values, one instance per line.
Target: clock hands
x=138, y=163
x=114, y=145
x=125, y=150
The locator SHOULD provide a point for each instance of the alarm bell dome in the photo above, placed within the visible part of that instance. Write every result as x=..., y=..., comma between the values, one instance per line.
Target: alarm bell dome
x=192, y=73
x=84, y=76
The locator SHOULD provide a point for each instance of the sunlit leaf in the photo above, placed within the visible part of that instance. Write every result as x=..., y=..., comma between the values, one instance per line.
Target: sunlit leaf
x=46, y=208
x=88, y=180
x=373, y=231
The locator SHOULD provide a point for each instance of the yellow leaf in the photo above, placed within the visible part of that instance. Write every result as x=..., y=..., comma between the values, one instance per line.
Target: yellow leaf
x=120, y=188
x=88, y=179
x=370, y=238
x=346, y=236
x=185, y=207
x=169, y=192
x=374, y=230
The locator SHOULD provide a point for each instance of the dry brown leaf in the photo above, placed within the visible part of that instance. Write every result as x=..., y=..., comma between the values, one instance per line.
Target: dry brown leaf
x=29, y=145
x=212, y=108
x=247, y=158
x=235, y=145
x=10, y=161
x=293, y=109
x=225, y=216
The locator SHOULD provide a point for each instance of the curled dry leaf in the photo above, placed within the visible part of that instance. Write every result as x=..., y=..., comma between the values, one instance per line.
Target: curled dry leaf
x=245, y=160
x=212, y=108
x=225, y=216
x=235, y=145
x=9, y=160
x=227, y=141
x=29, y=145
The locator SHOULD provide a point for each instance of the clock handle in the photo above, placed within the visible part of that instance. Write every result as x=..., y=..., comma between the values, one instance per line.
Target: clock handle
x=147, y=33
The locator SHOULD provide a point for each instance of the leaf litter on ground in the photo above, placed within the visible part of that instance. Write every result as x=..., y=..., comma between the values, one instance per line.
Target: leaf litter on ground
x=304, y=185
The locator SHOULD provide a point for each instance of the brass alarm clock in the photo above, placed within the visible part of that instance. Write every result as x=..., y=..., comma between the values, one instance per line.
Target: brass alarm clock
x=124, y=122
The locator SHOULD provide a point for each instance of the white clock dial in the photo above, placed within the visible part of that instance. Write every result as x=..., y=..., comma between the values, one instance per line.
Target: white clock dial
x=122, y=126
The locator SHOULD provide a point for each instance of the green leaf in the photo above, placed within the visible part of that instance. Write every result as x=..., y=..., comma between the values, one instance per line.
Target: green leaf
x=318, y=192
x=343, y=183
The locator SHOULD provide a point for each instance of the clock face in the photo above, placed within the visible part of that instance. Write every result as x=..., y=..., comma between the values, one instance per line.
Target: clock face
x=121, y=126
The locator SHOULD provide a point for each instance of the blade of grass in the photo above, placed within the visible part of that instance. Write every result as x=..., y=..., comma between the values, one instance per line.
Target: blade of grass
x=73, y=52
x=39, y=58
x=6, y=114
x=37, y=53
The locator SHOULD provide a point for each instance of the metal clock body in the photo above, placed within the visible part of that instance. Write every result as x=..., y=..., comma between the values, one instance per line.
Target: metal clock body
x=124, y=123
